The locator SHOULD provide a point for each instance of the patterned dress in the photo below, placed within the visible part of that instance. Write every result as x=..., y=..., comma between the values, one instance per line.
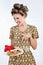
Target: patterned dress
x=27, y=57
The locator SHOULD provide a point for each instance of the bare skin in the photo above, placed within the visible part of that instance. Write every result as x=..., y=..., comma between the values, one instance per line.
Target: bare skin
x=22, y=25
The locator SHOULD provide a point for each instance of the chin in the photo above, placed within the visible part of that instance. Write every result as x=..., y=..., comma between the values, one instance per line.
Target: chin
x=19, y=24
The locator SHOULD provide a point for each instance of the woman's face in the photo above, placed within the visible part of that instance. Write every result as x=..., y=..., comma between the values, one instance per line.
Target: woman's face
x=19, y=19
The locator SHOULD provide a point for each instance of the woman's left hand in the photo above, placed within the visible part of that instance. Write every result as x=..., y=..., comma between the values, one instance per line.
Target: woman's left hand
x=26, y=36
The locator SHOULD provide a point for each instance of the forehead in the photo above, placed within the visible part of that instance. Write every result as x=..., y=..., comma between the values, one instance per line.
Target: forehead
x=16, y=15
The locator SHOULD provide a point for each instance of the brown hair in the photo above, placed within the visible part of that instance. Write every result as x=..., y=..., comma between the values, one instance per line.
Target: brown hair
x=19, y=8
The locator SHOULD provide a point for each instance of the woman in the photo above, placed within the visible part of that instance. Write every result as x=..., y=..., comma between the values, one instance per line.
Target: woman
x=23, y=36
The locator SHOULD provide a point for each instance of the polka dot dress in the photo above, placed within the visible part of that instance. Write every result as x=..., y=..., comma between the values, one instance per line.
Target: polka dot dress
x=27, y=57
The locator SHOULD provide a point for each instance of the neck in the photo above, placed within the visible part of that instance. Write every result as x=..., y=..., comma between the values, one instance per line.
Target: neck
x=23, y=24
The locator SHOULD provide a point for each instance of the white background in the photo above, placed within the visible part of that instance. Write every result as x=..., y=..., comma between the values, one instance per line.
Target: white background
x=35, y=15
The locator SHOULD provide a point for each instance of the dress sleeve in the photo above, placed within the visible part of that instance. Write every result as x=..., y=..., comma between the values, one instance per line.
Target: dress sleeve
x=11, y=33
x=35, y=33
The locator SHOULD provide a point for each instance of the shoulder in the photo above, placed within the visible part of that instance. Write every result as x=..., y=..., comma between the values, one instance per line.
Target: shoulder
x=34, y=31
x=13, y=27
x=32, y=26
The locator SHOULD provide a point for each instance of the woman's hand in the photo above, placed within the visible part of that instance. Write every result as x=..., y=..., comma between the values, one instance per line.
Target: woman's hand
x=26, y=36
x=33, y=41
x=11, y=53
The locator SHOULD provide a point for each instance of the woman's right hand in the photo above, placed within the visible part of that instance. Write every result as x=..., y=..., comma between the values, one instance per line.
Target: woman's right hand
x=11, y=53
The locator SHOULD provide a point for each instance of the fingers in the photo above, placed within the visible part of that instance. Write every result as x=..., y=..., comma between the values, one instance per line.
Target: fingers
x=24, y=35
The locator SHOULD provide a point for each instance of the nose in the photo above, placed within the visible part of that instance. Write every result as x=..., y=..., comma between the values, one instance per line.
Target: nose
x=17, y=19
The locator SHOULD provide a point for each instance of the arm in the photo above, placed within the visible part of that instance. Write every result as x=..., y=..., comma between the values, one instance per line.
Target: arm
x=12, y=42
x=11, y=35
x=33, y=43
x=33, y=38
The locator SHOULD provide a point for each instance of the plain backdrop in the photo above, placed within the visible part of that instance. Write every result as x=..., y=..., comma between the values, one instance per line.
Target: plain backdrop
x=35, y=17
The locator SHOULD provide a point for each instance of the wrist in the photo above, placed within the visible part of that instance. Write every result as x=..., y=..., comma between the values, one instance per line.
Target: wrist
x=29, y=36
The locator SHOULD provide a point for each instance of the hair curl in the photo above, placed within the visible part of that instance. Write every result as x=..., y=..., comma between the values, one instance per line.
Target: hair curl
x=19, y=8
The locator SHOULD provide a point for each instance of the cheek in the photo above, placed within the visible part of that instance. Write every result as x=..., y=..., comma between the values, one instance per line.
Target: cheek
x=21, y=18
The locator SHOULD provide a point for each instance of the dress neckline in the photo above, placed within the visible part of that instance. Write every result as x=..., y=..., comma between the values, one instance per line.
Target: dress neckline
x=24, y=30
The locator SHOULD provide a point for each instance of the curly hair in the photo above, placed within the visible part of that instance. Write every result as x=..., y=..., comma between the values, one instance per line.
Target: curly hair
x=19, y=8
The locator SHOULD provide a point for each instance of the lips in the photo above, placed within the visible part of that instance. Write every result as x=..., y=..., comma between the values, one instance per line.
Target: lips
x=18, y=22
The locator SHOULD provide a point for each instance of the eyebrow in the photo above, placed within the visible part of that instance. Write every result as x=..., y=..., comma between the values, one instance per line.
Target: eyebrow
x=16, y=18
